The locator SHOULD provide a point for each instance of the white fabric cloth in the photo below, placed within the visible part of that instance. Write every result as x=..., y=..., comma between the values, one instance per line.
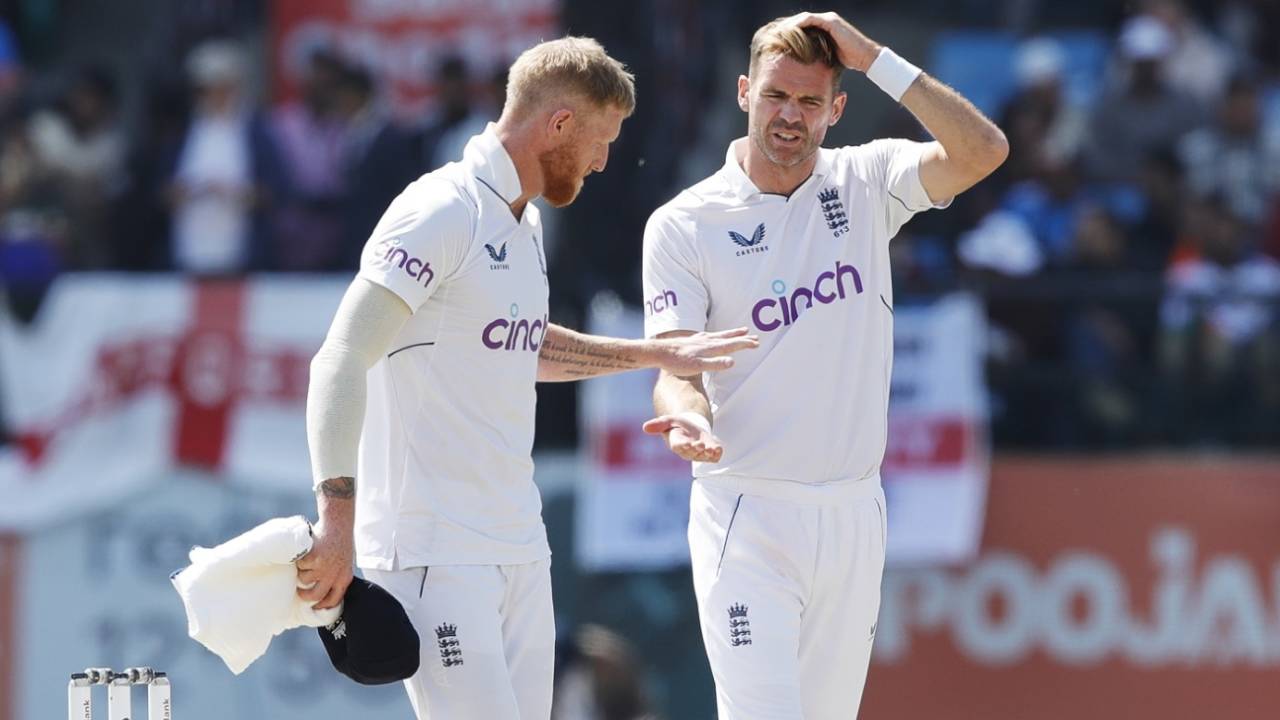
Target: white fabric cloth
x=810, y=274
x=488, y=639
x=242, y=593
x=211, y=226
x=445, y=470
x=787, y=579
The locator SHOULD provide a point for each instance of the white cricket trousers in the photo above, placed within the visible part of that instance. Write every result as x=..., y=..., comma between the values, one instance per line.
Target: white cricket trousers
x=488, y=639
x=787, y=578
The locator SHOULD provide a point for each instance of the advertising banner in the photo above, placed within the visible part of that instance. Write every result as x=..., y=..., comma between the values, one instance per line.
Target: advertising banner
x=95, y=592
x=633, y=502
x=1105, y=588
x=633, y=498
x=403, y=41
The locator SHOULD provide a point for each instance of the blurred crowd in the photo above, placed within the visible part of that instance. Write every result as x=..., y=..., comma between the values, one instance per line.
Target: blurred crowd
x=210, y=182
x=1127, y=251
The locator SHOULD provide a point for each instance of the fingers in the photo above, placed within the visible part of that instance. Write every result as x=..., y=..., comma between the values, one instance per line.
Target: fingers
x=334, y=596
x=686, y=441
x=737, y=338
x=306, y=578
x=315, y=592
x=733, y=346
x=818, y=20
x=715, y=364
x=306, y=562
x=702, y=449
x=658, y=425
x=694, y=453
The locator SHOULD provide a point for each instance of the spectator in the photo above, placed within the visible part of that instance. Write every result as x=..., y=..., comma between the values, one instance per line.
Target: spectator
x=308, y=220
x=11, y=74
x=1233, y=158
x=1198, y=63
x=1040, y=119
x=1107, y=333
x=1142, y=115
x=378, y=160
x=33, y=221
x=79, y=141
x=599, y=678
x=1051, y=203
x=226, y=172
x=142, y=223
x=1219, y=329
x=457, y=118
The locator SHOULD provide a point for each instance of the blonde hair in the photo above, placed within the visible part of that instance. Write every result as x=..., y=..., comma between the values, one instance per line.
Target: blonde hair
x=804, y=45
x=577, y=65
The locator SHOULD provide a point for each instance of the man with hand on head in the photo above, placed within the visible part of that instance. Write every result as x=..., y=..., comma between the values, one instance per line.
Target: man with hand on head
x=429, y=370
x=787, y=525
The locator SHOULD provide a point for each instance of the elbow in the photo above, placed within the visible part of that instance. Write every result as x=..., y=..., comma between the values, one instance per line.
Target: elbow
x=994, y=150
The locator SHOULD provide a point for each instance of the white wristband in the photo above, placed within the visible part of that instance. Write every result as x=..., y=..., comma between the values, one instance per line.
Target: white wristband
x=892, y=74
x=698, y=420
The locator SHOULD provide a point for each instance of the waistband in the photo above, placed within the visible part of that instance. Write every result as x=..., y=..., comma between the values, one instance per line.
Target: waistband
x=835, y=492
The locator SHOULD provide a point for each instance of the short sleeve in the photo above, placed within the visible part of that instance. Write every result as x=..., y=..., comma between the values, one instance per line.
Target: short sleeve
x=894, y=165
x=420, y=241
x=675, y=297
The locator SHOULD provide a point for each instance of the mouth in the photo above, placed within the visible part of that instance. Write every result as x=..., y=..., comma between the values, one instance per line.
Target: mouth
x=786, y=139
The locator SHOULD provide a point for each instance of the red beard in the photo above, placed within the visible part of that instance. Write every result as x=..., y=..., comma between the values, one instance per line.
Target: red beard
x=561, y=177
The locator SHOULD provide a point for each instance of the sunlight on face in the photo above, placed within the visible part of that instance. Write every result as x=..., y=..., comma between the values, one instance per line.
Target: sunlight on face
x=789, y=108
x=586, y=150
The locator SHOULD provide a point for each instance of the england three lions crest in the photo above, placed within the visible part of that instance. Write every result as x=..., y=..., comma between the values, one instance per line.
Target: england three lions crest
x=833, y=211
x=739, y=625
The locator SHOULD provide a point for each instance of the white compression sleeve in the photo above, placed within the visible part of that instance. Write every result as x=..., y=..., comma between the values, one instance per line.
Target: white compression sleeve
x=364, y=326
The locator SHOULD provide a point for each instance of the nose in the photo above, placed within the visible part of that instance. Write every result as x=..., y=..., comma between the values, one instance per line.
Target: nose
x=601, y=160
x=790, y=113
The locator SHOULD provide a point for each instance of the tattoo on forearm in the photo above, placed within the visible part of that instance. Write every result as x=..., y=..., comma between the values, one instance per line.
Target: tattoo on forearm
x=340, y=487
x=582, y=359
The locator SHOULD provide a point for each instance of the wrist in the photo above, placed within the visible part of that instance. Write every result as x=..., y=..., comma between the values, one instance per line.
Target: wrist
x=335, y=513
x=892, y=74
x=647, y=353
x=868, y=56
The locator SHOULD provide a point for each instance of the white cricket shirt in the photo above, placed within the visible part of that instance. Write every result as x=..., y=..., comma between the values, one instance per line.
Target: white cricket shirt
x=445, y=470
x=810, y=274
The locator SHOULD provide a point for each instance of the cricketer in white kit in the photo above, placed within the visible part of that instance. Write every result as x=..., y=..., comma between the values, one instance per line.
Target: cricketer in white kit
x=429, y=371
x=787, y=524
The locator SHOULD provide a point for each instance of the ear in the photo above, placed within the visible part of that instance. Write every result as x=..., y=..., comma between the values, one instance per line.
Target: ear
x=744, y=86
x=560, y=124
x=837, y=108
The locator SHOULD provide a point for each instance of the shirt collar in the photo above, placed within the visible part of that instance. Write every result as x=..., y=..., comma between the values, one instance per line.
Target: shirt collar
x=741, y=185
x=492, y=164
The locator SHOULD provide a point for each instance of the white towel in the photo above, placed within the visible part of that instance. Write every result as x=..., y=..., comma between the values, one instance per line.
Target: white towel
x=242, y=593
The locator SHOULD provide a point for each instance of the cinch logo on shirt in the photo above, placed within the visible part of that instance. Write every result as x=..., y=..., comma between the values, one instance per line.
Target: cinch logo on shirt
x=661, y=301
x=498, y=256
x=751, y=244
x=771, y=313
x=514, y=334
x=394, y=254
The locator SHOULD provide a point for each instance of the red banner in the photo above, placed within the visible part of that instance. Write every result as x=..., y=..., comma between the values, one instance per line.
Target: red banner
x=1135, y=589
x=403, y=41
